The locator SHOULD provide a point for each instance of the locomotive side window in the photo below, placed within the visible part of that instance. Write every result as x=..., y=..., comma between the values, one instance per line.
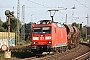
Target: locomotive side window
x=46, y=29
x=55, y=30
x=37, y=30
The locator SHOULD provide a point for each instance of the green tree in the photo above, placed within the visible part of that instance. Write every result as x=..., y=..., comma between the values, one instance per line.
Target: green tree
x=13, y=24
x=82, y=30
x=28, y=27
x=83, y=33
x=4, y=25
x=1, y=22
x=75, y=24
x=2, y=29
x=27, y=30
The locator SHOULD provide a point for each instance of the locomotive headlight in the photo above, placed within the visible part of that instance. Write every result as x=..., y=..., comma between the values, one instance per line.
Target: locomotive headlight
x=49, y=42
x=35, y=43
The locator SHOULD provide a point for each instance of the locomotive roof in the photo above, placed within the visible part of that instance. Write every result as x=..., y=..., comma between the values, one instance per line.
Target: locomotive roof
x=45, y=20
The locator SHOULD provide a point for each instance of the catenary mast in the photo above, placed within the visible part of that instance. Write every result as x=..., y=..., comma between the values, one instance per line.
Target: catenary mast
x=23, y=23
x=18, y=17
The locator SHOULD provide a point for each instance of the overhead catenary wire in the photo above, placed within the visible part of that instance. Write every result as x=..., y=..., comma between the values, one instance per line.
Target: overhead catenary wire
x=38, y=4
x=64, y=3
x=43, y=5
x=83, y=5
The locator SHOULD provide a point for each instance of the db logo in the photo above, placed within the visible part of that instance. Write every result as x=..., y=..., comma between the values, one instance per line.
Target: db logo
x=41, y=38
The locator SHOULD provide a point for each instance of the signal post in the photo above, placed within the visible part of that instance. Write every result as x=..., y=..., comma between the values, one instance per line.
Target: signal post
x=8, y=53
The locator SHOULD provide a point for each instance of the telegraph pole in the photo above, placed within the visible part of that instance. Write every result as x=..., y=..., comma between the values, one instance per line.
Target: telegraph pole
x=87, y=20
x=66, y=18
x=87, y=26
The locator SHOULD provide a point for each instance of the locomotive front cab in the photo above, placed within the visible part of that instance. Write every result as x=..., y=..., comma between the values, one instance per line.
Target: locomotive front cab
x=41, y=37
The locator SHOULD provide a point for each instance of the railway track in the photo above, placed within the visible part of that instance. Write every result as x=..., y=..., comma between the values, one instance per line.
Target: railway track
x=73, y=54
x=50, y=56
x=32, y=58
x=83, y=57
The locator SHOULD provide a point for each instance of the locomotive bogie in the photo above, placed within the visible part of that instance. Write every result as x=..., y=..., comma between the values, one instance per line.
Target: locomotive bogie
x=42, y=48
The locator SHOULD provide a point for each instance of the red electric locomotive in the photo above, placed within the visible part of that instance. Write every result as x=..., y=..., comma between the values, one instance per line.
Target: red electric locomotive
x=48, y=36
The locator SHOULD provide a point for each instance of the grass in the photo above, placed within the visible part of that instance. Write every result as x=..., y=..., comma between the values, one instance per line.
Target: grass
x=2, y=55
x=22, y=53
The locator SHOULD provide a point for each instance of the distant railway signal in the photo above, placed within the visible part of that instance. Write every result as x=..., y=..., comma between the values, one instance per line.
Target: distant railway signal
x=7, y=13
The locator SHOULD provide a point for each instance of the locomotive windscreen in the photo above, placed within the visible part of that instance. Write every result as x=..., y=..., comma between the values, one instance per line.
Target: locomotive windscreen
x=39, y=30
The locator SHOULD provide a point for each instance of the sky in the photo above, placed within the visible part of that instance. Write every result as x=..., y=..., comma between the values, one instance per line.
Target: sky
x=36, y=10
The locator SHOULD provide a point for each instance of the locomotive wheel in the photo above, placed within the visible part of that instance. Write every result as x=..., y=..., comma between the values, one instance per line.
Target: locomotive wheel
x=61, y=49
x=58, y=50
x=64, y=48
x=4, y=47
x=69, y=47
